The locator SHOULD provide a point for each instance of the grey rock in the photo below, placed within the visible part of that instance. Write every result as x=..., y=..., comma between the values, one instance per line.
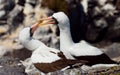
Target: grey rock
x=3, y=51
x=29, y=67
x=117, y=24
x=2, y=13
x=113, y=51
x=21, y=53
x=8, y=5
x=15, y=17
x=9, y=66
x=28, y=9
x=32, y=1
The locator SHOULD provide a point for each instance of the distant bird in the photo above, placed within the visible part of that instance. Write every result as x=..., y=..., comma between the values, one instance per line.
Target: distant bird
x=81, y=50
x=44, y=58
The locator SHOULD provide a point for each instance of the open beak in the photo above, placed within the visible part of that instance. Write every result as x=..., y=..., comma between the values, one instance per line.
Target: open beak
x=46, y=21
x=34, y=27
x=42, y=22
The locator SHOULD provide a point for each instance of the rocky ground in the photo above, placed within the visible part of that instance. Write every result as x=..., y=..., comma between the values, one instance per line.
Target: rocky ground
x=17, y=14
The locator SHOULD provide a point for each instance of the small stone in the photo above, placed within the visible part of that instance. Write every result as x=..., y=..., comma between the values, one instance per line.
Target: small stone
x=2, y=14
x=28, y=9
x=3, y=51
x=3, y=29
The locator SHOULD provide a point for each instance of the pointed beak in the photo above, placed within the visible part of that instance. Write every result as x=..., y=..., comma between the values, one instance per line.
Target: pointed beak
x=48, y=20
x=42, y=22
x=45, y=21
x=34, y=27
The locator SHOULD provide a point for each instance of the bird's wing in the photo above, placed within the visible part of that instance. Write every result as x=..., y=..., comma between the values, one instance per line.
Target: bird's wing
x=48, y=60
x=44, y=55
x=84, y=49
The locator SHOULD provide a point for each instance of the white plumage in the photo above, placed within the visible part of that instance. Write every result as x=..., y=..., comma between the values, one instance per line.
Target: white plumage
x=84, y=49
x=78, y=51
x=44, y=58
x=43, y=55
x=66, y=43
x=27, y=41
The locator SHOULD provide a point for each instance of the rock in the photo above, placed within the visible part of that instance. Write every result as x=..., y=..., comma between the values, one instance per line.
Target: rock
x=3, y=30
x=2, y=13
x=29, y=20
x=21, y=2
x=114, y=30
x=11, y=66
x=102, y=2
x=10, y=4
x=29, y=67
x=105, y=71
x=101, y=22
x=41, y=12
x=32, y=2
x=15, y=17
x=117, y=24
x=22, y=53
x=117, y=4
x=3, y=4
x=28, y=9
x=3, y=51
x=108, y=9
x=113, y=51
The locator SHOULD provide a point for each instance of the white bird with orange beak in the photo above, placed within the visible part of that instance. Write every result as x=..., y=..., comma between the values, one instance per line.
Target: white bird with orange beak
x=81, y=50
x=44, y=58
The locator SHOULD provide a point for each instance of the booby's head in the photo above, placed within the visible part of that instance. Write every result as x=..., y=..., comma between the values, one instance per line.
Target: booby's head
x=25, y=37
x=61, y=20
x=26, y=33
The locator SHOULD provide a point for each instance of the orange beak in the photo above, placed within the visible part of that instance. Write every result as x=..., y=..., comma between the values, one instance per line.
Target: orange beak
x=46, y=21
x=42, y=22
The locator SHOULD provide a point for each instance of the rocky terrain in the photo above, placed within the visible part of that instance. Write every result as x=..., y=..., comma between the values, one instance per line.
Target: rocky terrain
x=102, y=30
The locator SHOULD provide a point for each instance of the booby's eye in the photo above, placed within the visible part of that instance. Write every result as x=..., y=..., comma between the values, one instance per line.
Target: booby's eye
x=56, y=22
x=31, y=34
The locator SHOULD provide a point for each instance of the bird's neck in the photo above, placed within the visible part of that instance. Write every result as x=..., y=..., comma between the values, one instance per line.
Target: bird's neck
x=32, y=44
x=65, y=38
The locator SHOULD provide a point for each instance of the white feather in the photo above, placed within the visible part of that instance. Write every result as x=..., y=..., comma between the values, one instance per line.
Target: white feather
x=66, y=43
x=43, y=55
x=83, y=49
x=27, y=41
x=103, y=65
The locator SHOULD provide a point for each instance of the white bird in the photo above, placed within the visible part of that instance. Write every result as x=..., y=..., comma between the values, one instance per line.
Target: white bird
x=44, y=58
x=81, y=50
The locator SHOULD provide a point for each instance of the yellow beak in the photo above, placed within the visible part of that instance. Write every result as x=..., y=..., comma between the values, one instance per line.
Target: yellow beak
x=46, y=21
x=42, y=22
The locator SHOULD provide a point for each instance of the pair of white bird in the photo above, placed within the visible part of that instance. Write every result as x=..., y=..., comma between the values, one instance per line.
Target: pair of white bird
x=48, y=59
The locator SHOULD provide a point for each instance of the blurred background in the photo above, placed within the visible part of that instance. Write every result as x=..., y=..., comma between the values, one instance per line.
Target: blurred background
x=96, y=21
